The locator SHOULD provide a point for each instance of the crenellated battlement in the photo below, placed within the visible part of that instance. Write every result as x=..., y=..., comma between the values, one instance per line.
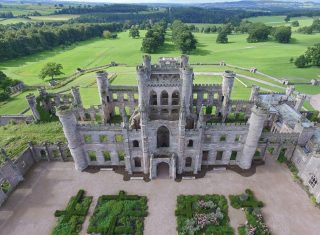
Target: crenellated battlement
x=227, y=126
x=99, y=127
x=279, y=137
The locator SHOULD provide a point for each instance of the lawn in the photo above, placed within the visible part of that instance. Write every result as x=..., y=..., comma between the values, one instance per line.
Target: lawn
x=279, y=20
x=14, y=138
x=269, y=57
x=45, y=18
x=27, y=8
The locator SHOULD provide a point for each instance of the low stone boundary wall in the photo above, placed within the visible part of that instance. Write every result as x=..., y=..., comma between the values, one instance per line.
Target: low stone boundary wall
x=12, y=172
x=5, y=119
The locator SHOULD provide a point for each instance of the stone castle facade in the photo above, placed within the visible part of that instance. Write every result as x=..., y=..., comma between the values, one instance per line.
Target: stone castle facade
x=169, y=120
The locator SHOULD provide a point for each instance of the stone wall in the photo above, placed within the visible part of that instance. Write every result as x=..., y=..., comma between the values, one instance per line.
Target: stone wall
x=308, y=165
x=13, y=172
x=5, y=119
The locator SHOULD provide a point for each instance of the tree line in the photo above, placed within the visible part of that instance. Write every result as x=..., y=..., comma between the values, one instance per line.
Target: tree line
x=185, y=14
x=111, y=8
x=257, y=32
x=6, y=15
x=25, y=40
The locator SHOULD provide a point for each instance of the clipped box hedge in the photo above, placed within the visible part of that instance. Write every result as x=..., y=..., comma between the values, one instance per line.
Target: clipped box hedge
x=188, y=208
x=119, y=214
x=71, y=219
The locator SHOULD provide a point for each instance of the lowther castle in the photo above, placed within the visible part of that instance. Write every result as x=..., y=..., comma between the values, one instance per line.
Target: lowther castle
x=169, y=120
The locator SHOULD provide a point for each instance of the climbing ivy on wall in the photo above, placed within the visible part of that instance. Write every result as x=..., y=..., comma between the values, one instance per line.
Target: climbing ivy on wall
x=45, y=116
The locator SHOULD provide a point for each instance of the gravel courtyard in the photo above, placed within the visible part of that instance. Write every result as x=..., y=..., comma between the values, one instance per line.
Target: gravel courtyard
x=50, y=185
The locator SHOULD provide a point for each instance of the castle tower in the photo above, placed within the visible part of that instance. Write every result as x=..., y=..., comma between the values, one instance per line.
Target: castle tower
x=254, y=93
x=43, y=94
x=76, y=96
x=305, y=130
x=299, y=101
x=144, y=138
x=142, y=76
x=256, y=123
x=289, y=91
x=69, y=123
x=227, y=85
x=184, y=60
x=33, y=106
x=186, y=73
x=147, y=62
x=182, y=137
x=105, y=95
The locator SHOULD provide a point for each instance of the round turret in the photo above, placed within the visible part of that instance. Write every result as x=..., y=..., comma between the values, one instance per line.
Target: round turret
x=256, y=123
x=69, y=123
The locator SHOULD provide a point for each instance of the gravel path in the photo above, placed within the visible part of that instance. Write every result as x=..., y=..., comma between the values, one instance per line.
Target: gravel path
x=49, y=186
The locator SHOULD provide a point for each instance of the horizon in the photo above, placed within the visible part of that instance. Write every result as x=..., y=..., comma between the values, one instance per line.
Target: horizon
x=178, y=1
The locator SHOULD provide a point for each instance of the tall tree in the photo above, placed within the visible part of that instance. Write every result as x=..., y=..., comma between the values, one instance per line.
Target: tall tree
x=134, y=32
x=282, y=34
x=222, y=37
x=182, y=37
x=51, y=70
x=258, y=32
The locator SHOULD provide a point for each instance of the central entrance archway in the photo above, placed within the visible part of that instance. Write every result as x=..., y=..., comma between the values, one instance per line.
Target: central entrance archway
x=163, y=170
x=163, y=137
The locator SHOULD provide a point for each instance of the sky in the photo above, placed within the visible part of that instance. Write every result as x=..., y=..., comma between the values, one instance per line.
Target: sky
x=170, y=1
x=156, y=1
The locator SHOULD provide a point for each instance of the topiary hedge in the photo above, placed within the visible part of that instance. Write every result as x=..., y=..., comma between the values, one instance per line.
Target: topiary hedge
x=119, y=214
x=71, y=219
x=203, y=214
x=245, y=200
x=252, y=207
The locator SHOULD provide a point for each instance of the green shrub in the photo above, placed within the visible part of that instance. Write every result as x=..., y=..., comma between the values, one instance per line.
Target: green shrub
x=119, y=214
x=189, y=207
x=71, y=219
x=237, y=201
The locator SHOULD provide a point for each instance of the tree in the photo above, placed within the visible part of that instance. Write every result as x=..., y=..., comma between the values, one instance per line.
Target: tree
x=222, y=37
x=295, y=23
x=306, y=30
x=287, y=19
x=227, y=28
x=51, y=69
x=182, y=37
x=301, y=62
x=108, y=35
x=258, y=32
x=134, y=32
x=316, y=25
x=282, y=34
x=313, y=55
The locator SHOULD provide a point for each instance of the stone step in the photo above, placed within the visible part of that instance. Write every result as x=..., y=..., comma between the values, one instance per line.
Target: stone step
x=106, y=169
x=188, y=177
x=136, y=178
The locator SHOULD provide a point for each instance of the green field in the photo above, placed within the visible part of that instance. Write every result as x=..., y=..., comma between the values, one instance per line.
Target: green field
x=270, y=57
x=279, y=20
x=46, y=18
x=27, y=8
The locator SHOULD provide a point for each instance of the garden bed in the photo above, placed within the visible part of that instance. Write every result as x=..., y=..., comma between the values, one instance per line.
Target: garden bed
x=71, y=219
x=206, y=214
x=119, y=214
x=252, y=207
